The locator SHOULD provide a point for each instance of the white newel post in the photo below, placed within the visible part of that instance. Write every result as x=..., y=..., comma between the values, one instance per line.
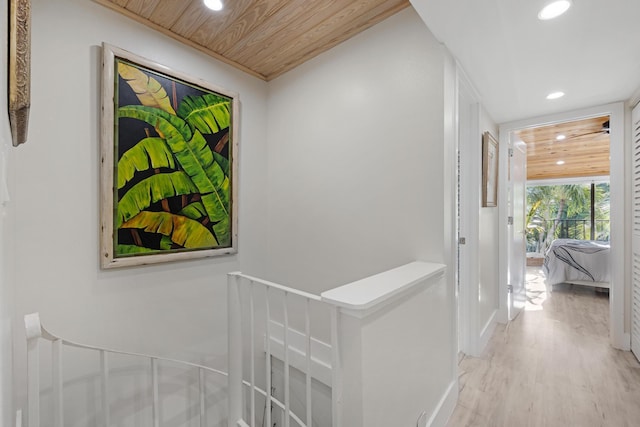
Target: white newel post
x=33, y=332
x=389, y=372
x=234, y=317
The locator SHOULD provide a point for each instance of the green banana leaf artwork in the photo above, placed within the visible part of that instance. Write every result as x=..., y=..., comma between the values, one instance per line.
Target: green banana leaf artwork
x=171, y=164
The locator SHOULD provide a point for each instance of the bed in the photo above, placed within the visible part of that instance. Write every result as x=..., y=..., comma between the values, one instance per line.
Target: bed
x=581, y=262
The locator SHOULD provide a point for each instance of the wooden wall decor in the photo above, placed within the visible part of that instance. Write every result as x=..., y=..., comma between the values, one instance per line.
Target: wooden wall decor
x=19, y=69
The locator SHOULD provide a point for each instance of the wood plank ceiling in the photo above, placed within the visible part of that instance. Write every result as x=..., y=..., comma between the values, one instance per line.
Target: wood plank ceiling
x=265, y=38
x=585, y=149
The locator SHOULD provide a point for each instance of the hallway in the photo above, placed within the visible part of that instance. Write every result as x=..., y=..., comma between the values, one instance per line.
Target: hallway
x=552, y=366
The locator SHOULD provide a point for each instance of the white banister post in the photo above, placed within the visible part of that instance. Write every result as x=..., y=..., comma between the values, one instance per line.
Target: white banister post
x=104, y=374
x=33, y=332
x=336, y=373
x=267, y=371
x=56, y=382
x=203, y=402
x=155, y=408
x=234, y=353
x=252, y=351
x=307, y=351
x=285, y=344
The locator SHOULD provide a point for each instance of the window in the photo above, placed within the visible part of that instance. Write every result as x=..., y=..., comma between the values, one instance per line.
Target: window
x=571, y=211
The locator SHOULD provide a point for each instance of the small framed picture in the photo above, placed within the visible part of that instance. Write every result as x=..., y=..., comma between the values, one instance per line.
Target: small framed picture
x=489, y=170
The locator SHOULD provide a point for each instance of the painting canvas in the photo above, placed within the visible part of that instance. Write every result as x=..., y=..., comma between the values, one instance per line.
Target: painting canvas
x=489, y=170
x=169, y=161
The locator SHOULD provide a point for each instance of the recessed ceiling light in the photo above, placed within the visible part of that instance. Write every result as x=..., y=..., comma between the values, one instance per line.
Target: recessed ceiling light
x=554, y=9
x=555, y=95
x=560, y=137
x=560, y=162
x=213, y=4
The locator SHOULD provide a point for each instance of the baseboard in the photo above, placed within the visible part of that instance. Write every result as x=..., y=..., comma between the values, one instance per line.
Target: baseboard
x=624, y=343
x=487, y=332
x=502, y=316
x=445, y=407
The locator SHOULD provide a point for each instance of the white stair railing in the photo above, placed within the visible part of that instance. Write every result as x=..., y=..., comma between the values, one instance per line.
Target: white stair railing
x=383, y=316
x=253, y=304
x=36, y=332
x=274, y=322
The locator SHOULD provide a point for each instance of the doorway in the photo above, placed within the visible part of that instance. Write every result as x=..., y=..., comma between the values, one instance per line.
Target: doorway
x=617, y=336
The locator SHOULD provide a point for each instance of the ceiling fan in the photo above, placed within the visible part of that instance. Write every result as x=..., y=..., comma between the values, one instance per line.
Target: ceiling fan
x=604, y=130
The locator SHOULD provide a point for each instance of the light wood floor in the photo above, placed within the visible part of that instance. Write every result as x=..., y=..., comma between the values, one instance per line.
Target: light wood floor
x=551, y=366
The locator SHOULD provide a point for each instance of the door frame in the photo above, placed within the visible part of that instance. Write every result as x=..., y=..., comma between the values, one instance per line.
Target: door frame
x=467, y=279
x=620, y=247
x=512, y=310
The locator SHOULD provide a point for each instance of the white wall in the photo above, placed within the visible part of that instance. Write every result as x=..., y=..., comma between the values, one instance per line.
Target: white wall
x=175, y=309
x=356, y=169
x=6, y=238
x=489, y=244
x=344, y=154
x=356, y=158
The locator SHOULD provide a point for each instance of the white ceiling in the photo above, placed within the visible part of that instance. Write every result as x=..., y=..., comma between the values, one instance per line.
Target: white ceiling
x=592, y=53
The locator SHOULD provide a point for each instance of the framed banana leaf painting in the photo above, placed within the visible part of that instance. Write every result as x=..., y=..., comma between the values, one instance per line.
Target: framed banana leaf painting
x=169, y=164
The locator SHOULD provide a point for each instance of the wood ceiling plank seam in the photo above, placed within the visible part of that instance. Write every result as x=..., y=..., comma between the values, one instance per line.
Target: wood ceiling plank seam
x=191, y=19
x=548, y=171
x=169, y=12
x=565, y=177
x=143, y=8
x=578, y=146
x=262, y=11
x=331, y=41
x=551, y=174
x=594, y=147
x=582, y=162
x=570, y=141
x=218, y=23
x=300, y=17
x=181, y=39
x=551, y=167
x=297, y=47
x=576, y=159
x=553, y=156
x=121, y=3
x=539, y=178
x=547, y=152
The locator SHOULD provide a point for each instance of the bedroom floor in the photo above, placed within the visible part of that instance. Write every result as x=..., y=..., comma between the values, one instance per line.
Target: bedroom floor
x=551, y=366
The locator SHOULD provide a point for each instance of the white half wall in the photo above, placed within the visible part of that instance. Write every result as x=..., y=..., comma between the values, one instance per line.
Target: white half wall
x=174, y=310
x=356, y=158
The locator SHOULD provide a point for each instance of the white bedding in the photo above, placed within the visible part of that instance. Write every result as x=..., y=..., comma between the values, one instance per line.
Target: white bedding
x=583, y=262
